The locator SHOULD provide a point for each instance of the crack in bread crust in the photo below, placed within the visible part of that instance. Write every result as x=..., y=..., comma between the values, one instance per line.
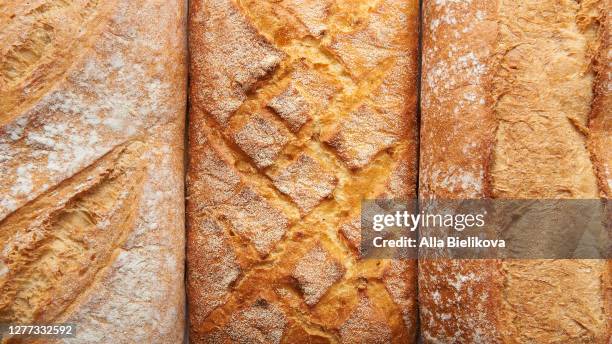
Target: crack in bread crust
x=275, y=142
x=53, y=256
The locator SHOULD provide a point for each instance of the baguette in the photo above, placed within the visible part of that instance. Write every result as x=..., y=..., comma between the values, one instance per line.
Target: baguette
x=515, y=105
x=92, y=100
x=299, y=110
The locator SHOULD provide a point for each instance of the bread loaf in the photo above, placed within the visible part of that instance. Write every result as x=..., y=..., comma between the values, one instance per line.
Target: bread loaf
x=299, y=110
x=515, y=104
x=92, y=98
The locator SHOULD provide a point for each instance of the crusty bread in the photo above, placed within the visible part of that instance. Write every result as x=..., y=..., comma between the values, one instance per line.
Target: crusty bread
x=515, y=104
x=92, y=99
x=299, y=110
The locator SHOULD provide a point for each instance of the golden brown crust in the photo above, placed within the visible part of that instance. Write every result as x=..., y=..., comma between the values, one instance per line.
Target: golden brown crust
x=91, y=147
x=275, y=267
x=600, y=121
x=505, y=107
x=455, y=155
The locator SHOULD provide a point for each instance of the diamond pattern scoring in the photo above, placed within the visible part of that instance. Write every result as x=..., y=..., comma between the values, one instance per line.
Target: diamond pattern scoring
x=318, y=87
x=262, y=138
x=362, y=135
x=380, y=37
x=311, y=13
x=365, y=325
x=292, y=107
x=315, y=272
x=255, y=219
x=306, y=181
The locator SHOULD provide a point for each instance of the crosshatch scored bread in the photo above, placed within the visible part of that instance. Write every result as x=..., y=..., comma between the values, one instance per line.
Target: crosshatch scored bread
x=299, y=110
x=92, y=101
x=516, y=104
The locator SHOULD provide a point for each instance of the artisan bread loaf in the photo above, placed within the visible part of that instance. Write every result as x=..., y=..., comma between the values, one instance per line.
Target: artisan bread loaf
x=516, y=105
x=299, y=111
x=92, y=97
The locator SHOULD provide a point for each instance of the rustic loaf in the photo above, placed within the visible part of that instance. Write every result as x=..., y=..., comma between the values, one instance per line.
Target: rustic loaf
x=516, y=104
x=92, y=99
x=299, y=110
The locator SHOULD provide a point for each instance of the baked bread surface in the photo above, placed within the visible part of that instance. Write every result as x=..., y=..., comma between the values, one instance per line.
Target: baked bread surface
x=515, y=105
x=299, y=110
x=91, y=157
